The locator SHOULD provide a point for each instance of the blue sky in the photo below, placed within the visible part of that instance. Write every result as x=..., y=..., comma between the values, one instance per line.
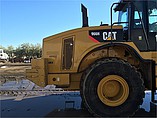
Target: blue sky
x=29, y=21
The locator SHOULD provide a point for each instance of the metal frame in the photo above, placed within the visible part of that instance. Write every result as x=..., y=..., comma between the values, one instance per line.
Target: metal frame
x=129, y=30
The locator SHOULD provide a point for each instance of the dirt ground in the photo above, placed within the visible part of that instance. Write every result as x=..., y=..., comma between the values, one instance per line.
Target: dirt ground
x=13, y=71
x=14, y=68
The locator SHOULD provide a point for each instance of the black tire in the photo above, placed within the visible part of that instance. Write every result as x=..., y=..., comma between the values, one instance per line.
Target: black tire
x=94, y=74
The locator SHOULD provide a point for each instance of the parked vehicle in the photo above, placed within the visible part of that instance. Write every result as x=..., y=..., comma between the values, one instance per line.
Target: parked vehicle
x=3, y=56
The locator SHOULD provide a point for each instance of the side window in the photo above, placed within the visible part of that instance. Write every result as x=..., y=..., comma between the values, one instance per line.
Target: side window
x=152, y=12
x=123, y=17
x=138, y=14
x=137, y=21
x=67, y=55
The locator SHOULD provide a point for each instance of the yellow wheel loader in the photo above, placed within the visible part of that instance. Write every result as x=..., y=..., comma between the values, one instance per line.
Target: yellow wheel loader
x=111, y=66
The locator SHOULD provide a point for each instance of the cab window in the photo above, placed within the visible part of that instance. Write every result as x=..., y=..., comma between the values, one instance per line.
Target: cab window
x=152, y=12
x=138, y=14
x=123, y=17
x=137, y=21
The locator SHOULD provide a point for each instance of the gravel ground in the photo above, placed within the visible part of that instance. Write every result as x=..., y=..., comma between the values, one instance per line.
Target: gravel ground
x=51, y=105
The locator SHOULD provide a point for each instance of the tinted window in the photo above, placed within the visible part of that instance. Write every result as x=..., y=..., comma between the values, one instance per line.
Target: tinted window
x=152, y=12
x=138, y=14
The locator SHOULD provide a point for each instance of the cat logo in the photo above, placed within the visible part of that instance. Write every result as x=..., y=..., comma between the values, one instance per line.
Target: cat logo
x=107, y=35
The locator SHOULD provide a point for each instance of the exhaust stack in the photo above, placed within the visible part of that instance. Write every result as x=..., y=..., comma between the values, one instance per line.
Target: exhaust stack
x=84, y=16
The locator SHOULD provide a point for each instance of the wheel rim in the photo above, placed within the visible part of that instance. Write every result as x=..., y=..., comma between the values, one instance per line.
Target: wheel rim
x=113, y=90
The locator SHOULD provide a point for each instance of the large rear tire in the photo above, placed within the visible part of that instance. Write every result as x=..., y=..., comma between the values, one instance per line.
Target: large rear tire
x=112, y=87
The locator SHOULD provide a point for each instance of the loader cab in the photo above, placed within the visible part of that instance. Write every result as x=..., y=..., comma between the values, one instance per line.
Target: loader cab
x=140, y=27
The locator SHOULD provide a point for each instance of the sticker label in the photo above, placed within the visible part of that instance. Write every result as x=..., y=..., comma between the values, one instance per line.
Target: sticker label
x=105, y=35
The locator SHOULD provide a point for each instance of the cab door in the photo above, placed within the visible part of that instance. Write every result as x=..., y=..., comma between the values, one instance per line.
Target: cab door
x=144, y=33
x=138, y=27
